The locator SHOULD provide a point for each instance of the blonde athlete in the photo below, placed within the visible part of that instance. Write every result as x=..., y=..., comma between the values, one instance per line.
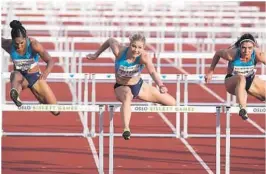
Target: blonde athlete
x=241, y=79
x=129, y=62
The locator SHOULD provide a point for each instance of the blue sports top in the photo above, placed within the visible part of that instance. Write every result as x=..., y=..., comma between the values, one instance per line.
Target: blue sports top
x=243, y=68
x=125, y=69
x=26, y=61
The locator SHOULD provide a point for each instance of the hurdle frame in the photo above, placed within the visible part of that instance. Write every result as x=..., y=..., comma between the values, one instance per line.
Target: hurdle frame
x=82, y=108
x=169, y=109
x=229, y=110
x=68, y=108
x=217, y=79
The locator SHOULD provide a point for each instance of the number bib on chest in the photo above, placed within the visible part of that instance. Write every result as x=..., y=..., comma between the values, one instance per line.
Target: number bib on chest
x=244, y=70
x=24, y=64
x=131, y=71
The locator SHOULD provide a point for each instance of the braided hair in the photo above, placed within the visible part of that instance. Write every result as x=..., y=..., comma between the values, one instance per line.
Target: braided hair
x=17, y=29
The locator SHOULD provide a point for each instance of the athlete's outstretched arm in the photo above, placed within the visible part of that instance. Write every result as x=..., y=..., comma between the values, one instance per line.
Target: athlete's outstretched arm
x=147, y=61
x=225, y=54
x=260, y=56
x=112, y=43
x=45, y=56
x=6, y=44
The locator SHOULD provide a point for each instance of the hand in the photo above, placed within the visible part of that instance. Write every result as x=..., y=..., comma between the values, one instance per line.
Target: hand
x=91, y=56
x=208, y=77
x=163, y=89
x=43, y=76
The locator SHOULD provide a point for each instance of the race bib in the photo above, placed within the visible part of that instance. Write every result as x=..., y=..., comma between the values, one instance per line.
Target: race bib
x=24, y=64
x=244, y=70
x=131, y=71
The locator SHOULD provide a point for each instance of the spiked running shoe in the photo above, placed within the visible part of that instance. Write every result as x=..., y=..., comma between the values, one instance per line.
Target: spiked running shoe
x=243, y=114
x=56, y=113
x=15, y=97
x=126, y=135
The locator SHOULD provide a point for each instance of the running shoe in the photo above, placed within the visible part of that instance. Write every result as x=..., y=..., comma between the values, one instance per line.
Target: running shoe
x=56, y=113
x=15, y=97
x=126, y=134
x=243, y=114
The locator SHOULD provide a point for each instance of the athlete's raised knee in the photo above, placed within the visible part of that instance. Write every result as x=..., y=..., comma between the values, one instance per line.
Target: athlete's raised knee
x=124, y=95
x=241, y=79
x=172, y=102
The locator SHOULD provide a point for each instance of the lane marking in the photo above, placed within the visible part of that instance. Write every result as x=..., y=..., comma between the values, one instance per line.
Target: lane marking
x=189, y=147
x=89, y=139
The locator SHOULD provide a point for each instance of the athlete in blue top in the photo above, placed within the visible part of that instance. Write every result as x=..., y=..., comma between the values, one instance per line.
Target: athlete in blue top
x=25, y=53
x=240, y=79
x=129, y=62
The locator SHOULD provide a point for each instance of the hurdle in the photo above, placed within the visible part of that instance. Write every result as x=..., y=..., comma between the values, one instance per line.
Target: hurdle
x=198, y=79
x=229, y=110
x=216, y=79
x=167, y=109
x=81, y=108
x=64, y=108
x=50, y=107
x=110, y=78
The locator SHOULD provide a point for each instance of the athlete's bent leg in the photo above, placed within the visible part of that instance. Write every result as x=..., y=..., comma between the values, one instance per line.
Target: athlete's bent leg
x=124, y=95
x=240, y=91
x=18, y=83
x=236, y=85
x=151, y=94
x=257, y=89
x=44, y=94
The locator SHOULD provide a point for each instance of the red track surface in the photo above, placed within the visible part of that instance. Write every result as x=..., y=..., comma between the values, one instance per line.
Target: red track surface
x=62, y=155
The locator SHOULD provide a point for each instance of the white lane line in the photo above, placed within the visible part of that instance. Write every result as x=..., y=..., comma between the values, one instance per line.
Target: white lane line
x=167, y=121
x=91, y=143
x=256, y=125
x=89, y=139
x=189, y=147
x=194, y=153
x=94, y=152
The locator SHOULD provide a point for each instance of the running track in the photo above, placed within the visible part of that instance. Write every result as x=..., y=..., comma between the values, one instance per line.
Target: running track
x=57, y=155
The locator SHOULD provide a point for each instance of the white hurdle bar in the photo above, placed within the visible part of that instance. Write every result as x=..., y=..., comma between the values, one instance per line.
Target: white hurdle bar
x=229, y=110
x=216, y=79
x=166, y=109
x=63, y=108
x=50, y=107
